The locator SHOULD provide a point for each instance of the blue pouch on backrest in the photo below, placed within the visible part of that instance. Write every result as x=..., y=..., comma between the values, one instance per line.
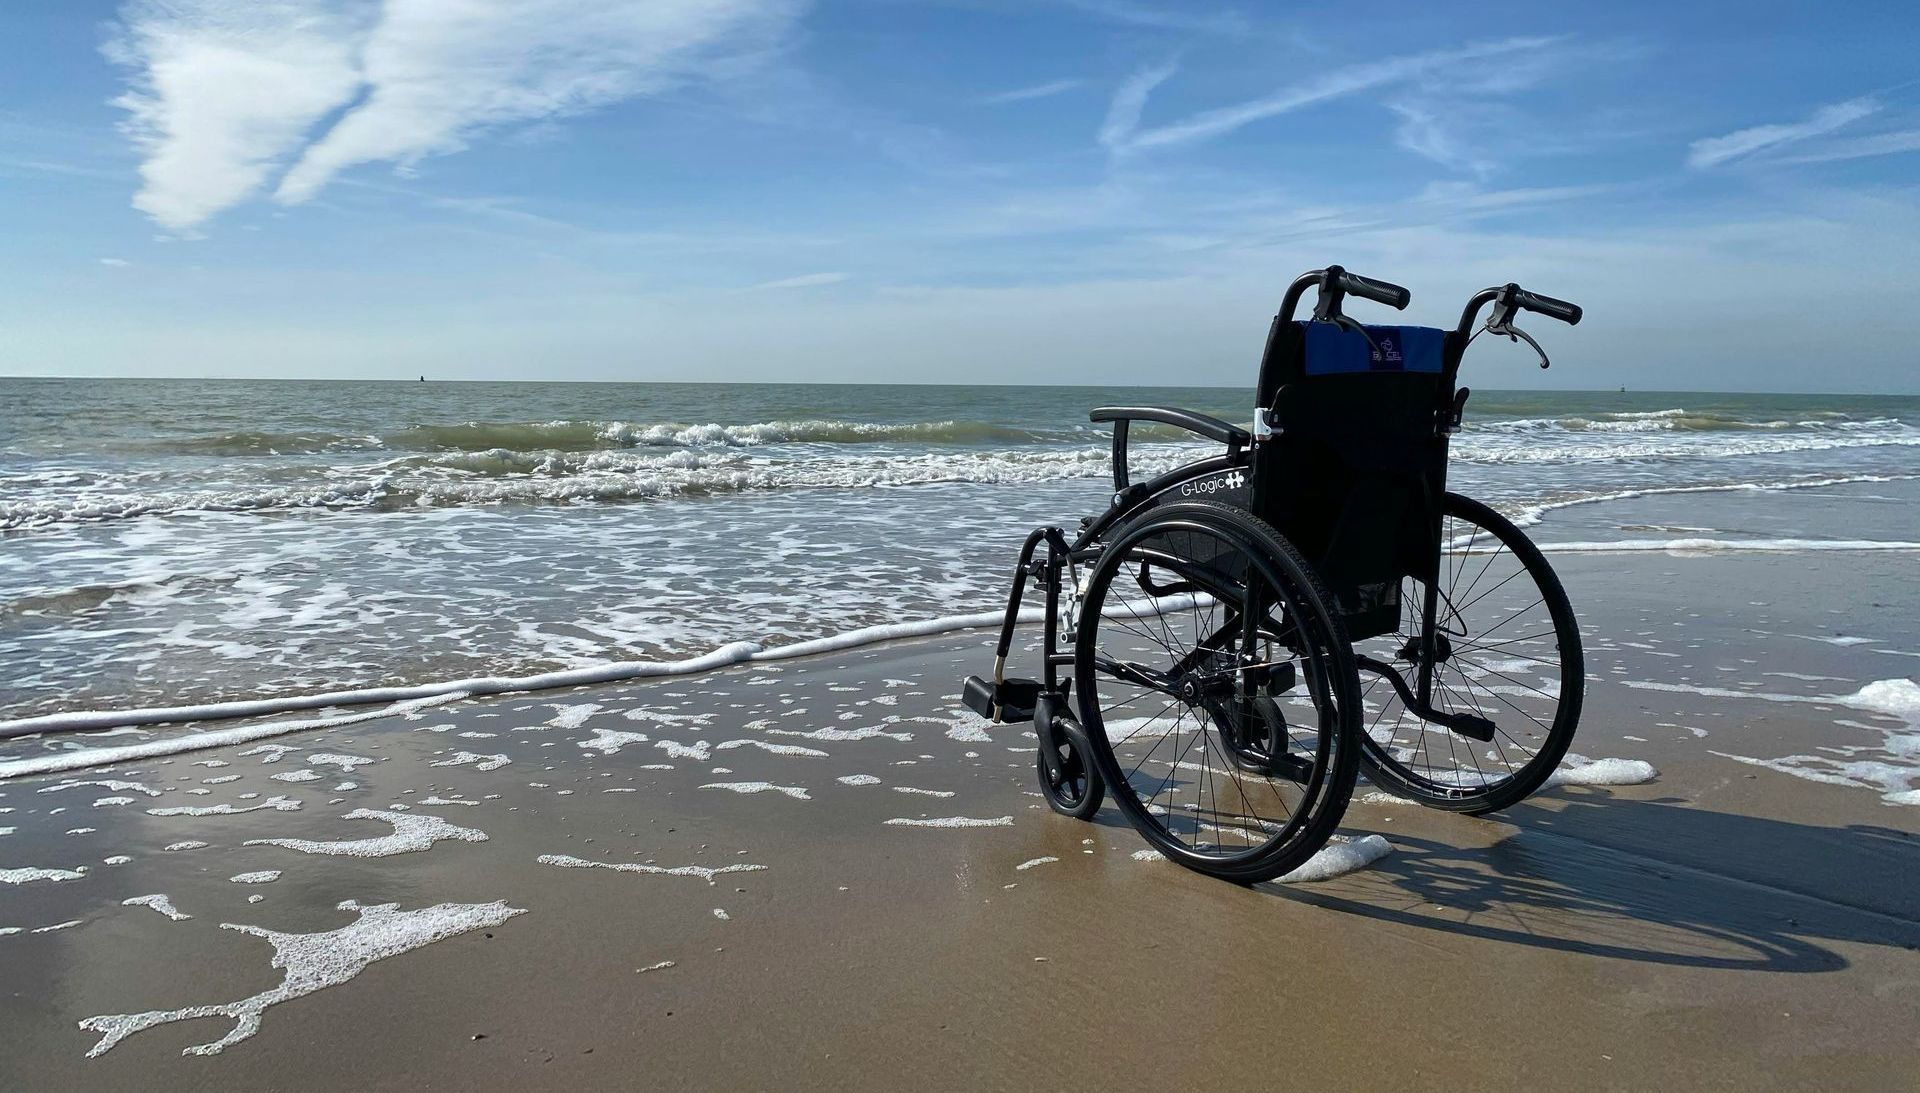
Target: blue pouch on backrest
x=1330, y=350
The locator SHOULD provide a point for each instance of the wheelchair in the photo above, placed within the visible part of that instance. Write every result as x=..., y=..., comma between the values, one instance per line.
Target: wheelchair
x=1250, y=631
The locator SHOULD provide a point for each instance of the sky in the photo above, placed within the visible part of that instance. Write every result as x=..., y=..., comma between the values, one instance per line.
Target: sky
x=973, y=191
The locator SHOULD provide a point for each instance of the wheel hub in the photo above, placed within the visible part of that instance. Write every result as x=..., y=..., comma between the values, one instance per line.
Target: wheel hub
x=1442, y=650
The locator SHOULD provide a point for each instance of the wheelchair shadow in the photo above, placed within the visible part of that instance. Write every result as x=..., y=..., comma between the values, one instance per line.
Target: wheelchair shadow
x=1649, y=881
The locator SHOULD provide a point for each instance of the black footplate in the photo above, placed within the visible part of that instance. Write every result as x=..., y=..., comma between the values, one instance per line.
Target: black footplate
x=1471, y=726
x=1010, y=701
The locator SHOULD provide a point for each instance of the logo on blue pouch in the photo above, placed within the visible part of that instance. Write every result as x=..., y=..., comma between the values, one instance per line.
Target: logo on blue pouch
x=1387, y=351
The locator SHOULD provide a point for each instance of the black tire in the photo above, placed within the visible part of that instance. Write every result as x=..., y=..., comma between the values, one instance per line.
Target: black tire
x=1078, y=790
x=1278, y=787
x=1535, y=716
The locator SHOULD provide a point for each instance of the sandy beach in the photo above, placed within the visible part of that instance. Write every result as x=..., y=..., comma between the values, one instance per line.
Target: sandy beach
x=821, y=874
x=507, y=510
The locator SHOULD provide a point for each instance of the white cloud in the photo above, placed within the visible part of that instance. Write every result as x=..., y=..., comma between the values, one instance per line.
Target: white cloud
x=1713, y=151
x=115, y=262
x=224, y=92
x=1123, y=113
x=1879, y=144
x=1183, y=16
x=440, y=71
x=1037, y=91
x=1425, y=133
x=805, y=280
x=1348, y=81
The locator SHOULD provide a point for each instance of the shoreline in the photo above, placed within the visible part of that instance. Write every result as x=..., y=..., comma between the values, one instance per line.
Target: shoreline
x=747, y=651
x=741, y=652
x=755, y=871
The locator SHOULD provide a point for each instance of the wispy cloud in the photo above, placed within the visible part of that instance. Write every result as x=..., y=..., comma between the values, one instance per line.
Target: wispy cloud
x=1467, y=200
x=1037, y=91
x=225, y=92
x=439, y=72
x=1180, y=16
x=1425, y=133
x=115, y=263
x=1879, y=144
x=1713, y=151
x=805, y=280
x=1333, y=85
x=1123, y=113
x=222, y=90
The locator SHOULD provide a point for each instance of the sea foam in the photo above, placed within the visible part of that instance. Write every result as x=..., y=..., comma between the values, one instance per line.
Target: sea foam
x=412, y=832
x=312, y=962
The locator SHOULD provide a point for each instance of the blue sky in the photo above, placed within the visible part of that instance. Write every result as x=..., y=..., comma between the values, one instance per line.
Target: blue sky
x=975, y=191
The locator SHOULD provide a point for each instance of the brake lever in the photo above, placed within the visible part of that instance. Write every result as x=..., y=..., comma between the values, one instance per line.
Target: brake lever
x=1346, y=322
x=1502, y=325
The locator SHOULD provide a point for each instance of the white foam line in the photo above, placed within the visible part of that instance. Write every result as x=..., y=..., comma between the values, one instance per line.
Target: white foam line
x=103, y=783
x=568, y=861
x=952, y=821
x=218, y=738
x=1889, y=697
x=1725, y=546
x=795, y=792
x=444, y=691
x=1031, y=862
x=430, y=694
x=277, y=804
x=776, y=749
x=1532, y=514
x=739, y=652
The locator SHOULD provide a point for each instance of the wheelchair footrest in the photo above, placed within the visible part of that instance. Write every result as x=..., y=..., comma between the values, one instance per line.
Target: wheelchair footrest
x=1471, y=726
x=1011, y=701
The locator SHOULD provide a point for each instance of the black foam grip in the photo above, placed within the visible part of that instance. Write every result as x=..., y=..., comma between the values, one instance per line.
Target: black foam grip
x=1548, y=306
x=1378, y=291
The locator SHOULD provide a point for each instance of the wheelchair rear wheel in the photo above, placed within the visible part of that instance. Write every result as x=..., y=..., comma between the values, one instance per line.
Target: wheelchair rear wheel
x=1506, y=651
x=1218, y=696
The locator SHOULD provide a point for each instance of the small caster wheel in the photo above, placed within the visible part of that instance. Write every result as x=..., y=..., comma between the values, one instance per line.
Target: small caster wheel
x=1070, y=783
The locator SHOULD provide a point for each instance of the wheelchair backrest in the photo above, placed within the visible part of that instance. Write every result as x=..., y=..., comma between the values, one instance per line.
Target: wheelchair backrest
x=1357, y=467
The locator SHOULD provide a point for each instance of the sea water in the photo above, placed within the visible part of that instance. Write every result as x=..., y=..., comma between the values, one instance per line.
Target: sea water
x=175, y=542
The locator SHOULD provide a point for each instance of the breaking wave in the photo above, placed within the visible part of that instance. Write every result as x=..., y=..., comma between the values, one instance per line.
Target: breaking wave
x=501, y=476
x=1680, y=419
x=603, y=461
x=587, y=436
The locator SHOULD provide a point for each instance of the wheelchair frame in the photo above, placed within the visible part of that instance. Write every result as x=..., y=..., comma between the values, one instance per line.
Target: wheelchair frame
x=1241, y=477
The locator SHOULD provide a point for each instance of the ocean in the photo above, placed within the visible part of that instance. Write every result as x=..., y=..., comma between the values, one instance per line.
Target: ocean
x=167, y=542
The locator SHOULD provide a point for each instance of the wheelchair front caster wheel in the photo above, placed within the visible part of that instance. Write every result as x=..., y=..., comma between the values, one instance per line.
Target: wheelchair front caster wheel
x=1070, y=783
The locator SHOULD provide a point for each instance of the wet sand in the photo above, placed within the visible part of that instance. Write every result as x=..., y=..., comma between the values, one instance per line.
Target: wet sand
x=1728, y=925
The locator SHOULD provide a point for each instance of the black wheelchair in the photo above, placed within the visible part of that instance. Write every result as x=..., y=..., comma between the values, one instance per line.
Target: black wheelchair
x=1251, y=630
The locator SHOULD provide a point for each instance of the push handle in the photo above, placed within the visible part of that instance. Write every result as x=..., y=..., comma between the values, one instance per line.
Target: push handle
x=1367, y=288
x=1546, y=305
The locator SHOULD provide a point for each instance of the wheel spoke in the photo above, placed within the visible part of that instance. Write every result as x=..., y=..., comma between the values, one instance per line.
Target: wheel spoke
x=1216, y=792
x=1500, y=648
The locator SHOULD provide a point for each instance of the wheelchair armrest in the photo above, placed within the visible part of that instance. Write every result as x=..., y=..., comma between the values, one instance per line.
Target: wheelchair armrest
x=1234, y=437
x=1206, y=425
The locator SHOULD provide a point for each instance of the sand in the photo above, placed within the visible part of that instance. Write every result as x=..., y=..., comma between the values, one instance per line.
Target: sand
x=591, y=916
